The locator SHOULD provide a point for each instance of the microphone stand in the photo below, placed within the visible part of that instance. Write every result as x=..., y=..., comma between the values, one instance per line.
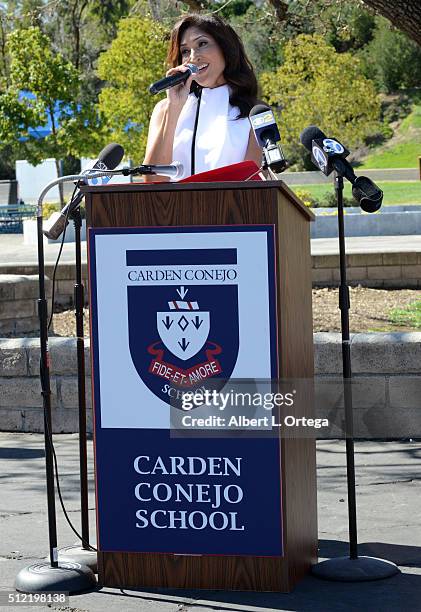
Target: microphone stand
x=84, y=554
x=54, y=576
x=64, y=575
x=352, y=568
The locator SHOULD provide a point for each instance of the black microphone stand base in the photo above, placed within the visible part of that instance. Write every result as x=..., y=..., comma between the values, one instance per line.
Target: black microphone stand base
x=78, y=554
x=361, y=569
x=44, y=578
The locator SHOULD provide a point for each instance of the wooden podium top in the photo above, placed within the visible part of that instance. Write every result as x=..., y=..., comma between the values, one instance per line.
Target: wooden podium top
x=214, y=186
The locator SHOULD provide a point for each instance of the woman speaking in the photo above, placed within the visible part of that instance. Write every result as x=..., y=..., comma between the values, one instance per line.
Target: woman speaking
x=203, y=122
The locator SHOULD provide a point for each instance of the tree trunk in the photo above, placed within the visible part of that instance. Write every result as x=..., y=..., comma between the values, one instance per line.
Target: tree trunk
x=403, y=14
x=281, y=9
x=155, y=6
x=4, y=71
x=196, y=6
x=77, y=13
x=60, y=186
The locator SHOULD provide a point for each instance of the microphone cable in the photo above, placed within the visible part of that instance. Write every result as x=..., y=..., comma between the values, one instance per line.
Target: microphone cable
x=59, y=255
x=63, y=507
x=198, y=94
x=49, y=432
x=254, y=173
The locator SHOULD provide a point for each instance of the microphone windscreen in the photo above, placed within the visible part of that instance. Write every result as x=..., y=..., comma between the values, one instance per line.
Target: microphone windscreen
x=259, y=108
x=111, y=155
x=367, y=194
x=310, y=133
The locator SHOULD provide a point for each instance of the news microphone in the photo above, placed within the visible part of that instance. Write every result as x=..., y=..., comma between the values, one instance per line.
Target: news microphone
x=266, y=131
x=108, y=159
x=329, y=154
x=174, y=79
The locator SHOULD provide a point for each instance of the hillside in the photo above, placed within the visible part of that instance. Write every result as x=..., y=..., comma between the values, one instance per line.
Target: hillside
x=400, y=151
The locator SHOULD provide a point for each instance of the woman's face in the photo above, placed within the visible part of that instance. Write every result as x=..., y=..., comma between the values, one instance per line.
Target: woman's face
x=199, y=48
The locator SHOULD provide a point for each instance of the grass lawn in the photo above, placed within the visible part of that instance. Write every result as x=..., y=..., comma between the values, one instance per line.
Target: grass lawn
x=405, y=151
x=399, y=192
x=409, y=316
x=403, y=155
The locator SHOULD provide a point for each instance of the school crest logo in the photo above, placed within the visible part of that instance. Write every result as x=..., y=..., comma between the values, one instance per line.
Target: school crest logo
x=180, y=336
x=183, y=329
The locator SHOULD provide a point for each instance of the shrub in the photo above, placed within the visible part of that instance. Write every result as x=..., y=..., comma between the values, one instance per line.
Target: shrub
x=306, y=198
x=310, y=88
x=329, y=200
x=49, y=208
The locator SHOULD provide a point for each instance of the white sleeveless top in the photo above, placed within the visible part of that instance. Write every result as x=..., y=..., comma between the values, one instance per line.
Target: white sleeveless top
x=221, y=139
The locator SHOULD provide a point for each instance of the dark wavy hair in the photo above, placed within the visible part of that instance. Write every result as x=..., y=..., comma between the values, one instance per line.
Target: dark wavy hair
x=238, y=72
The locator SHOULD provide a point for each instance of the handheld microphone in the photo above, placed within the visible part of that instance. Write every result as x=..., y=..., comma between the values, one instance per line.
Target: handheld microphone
x=108, y=159
x=266, y=131
x=174, y=170
x=329, y=154
x=174, y=79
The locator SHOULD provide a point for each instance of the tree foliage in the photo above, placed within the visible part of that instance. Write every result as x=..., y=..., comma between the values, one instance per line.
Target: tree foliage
x=260, y=33
x=129, y=36
x=403, y=14
x=133, y=61
x=317, y=85
x=391, y=59
x=43, y=90
x=53, y=85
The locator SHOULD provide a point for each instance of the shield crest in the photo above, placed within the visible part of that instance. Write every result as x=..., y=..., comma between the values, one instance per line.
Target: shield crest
x=176, y=345
x=183, y=332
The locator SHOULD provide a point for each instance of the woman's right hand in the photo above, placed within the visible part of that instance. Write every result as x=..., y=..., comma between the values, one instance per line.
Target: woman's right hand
x=178, y=94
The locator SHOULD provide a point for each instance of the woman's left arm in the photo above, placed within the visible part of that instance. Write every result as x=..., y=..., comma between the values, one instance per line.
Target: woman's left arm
x=254, y=152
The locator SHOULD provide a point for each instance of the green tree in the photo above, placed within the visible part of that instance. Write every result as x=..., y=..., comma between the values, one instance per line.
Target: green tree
x=403, y=14
x=316, y=85
x=260, y=33
x=53, y=86
x=391, y=59
x=133, y=61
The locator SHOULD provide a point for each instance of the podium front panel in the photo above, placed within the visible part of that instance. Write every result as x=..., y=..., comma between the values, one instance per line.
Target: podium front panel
x=172, y=305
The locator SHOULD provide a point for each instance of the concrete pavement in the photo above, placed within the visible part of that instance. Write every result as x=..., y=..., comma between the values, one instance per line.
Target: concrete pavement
x=367, y=244
x=14, y=252
x=388, y=498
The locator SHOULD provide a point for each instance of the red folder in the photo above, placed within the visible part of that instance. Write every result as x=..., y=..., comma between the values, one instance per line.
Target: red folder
x=235, y=172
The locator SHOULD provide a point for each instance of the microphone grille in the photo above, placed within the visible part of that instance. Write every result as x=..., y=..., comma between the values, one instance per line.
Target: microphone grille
x=259, y=108
x=180, y=170
x=111, y=155
x=312, y=132
x=193, y=68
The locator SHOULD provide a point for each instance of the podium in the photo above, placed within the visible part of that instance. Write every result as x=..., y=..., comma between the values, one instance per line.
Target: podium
x=210, y=513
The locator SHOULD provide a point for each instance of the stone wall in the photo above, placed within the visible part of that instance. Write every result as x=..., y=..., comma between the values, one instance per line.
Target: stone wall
x=19, y=303
x=404, y=220
x=20, y=389
x=386, y=384
x=384, y=270
x=386, y=367
x=65, y=279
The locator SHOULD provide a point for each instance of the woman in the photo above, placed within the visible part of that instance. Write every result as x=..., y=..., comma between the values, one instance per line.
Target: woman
x=203, y=123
